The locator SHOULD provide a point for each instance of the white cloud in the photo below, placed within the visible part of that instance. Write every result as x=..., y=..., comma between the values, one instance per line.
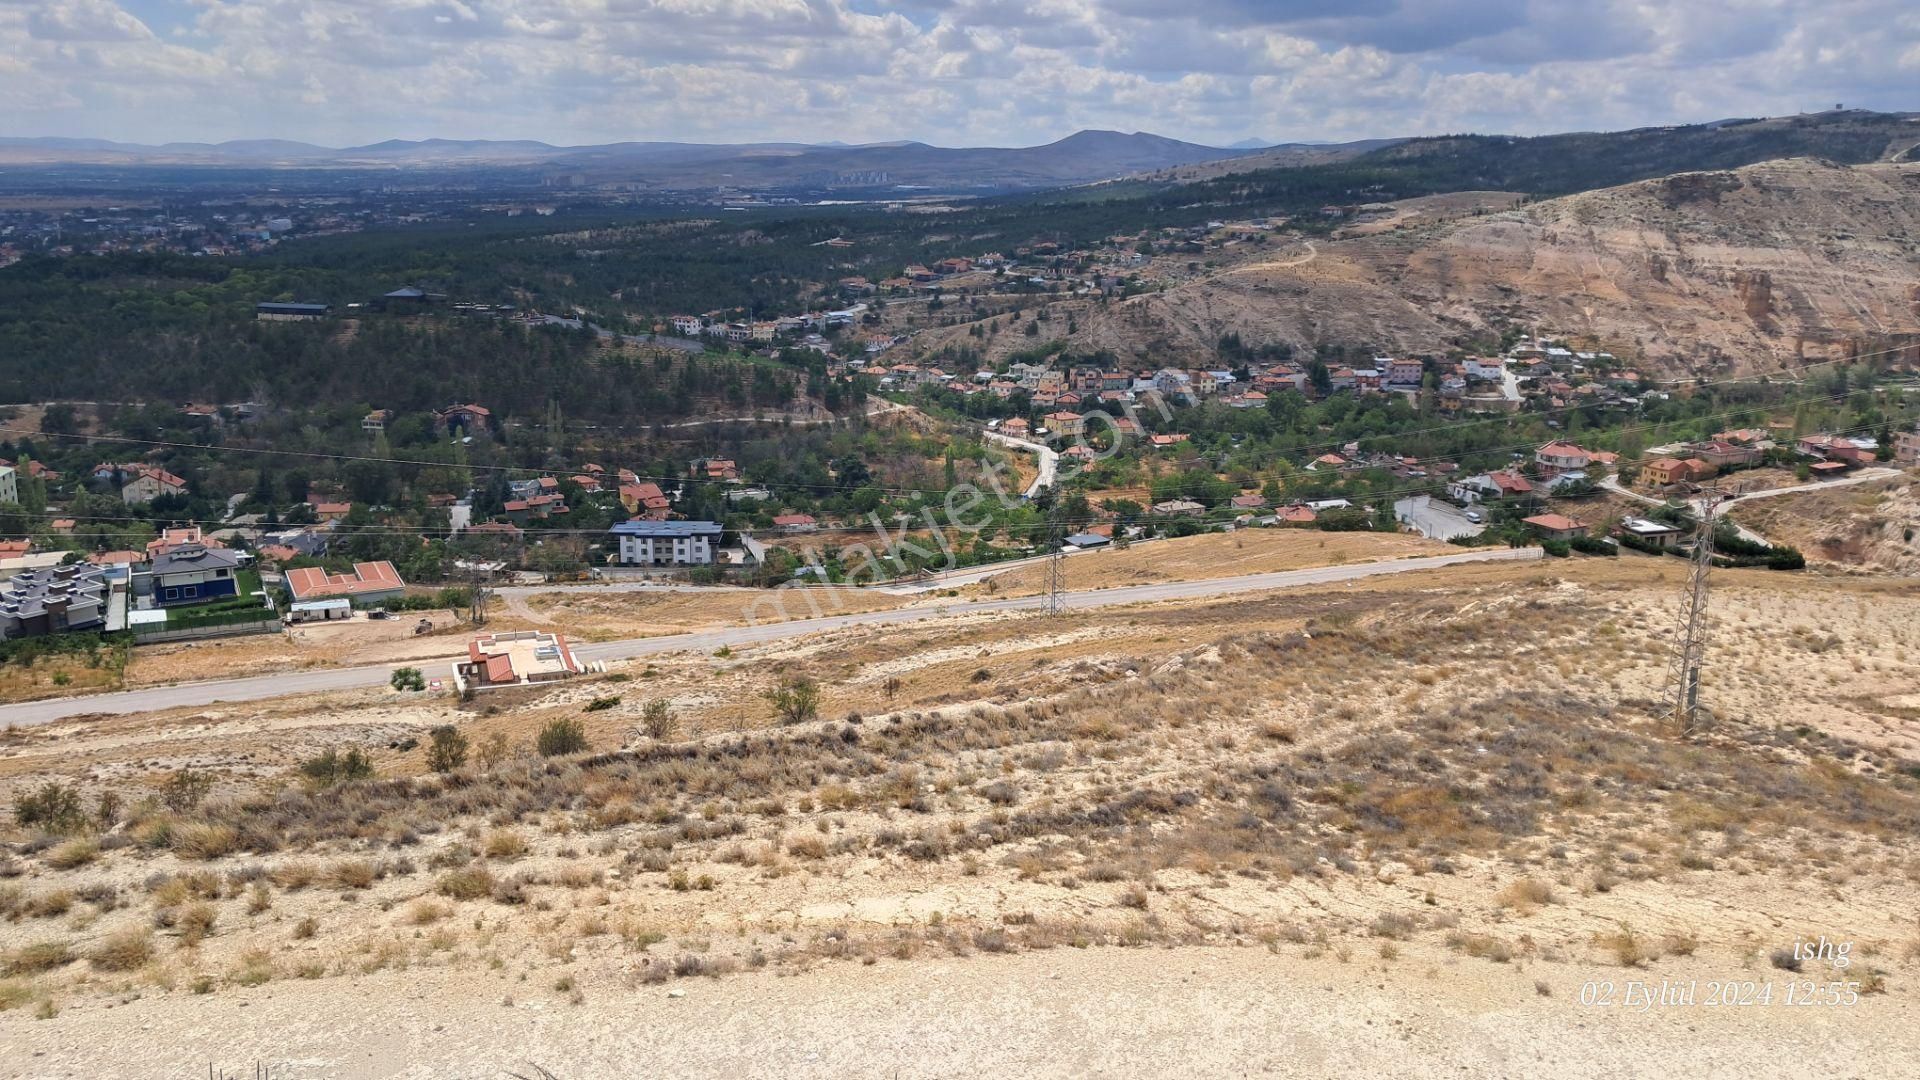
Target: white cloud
x=1002, y=72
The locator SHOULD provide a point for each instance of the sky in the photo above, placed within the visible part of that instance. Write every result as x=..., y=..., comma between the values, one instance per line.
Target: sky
x=949, y=72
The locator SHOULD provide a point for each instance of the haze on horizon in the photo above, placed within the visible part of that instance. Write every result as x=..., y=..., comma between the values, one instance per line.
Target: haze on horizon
x=947, y=72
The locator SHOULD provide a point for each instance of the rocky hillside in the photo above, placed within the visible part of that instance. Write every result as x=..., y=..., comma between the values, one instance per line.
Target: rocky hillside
x=1749, y=269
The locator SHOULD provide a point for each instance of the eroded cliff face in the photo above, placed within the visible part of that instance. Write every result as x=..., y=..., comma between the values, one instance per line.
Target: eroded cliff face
x=1751, y=270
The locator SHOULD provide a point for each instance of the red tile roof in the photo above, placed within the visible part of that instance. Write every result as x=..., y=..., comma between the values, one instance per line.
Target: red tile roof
x=314, y=583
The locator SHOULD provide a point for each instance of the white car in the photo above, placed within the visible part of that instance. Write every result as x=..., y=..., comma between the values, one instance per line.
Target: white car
x=1474, y=516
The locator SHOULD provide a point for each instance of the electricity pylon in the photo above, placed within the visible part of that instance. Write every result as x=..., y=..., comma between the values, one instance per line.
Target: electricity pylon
x=1690, y=637
x=1056, y=560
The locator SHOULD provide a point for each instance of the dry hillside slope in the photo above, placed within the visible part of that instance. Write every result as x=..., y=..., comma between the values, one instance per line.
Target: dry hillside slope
x=1750, y=269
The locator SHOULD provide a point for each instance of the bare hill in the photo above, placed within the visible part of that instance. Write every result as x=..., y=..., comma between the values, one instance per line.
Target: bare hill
x=1748, y=269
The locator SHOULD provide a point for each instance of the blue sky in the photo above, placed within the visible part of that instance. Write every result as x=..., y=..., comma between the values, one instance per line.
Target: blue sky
x=953, y=72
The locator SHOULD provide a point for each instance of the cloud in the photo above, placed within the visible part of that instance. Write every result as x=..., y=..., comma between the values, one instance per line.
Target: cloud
x=999, y=72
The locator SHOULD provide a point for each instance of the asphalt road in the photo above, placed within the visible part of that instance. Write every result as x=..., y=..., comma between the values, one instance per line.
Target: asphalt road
x=1435, y=519
x=187, y=695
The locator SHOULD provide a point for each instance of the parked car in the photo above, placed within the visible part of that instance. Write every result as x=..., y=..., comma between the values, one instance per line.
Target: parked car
x=1474, y=516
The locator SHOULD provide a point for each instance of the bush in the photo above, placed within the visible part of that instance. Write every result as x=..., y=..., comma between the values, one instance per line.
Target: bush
x=333, y=767
x=796, y=700
x=561, y=737
x=471, y=883
x=74, y=853
x=53, y=806
x=448, y=750
x=408, y=678
x=1558, y=549
x=657, y=719
x=36, y=958
x=601, y=704
x=203, y=840
x=1587, y=545
x=123, y=951
x=185, y=789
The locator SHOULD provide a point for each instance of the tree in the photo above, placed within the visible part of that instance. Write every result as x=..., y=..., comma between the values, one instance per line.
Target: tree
x=796, y=700
x=448, y=750
x=332, y=767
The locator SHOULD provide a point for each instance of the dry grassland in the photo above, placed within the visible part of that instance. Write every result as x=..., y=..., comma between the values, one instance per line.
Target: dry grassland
x=1452, y=792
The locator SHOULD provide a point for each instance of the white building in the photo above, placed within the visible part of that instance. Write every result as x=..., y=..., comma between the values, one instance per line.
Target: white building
x=667, y=543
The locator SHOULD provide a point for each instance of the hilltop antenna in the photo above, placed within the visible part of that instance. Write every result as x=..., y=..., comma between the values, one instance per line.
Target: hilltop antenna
x=1690, y=637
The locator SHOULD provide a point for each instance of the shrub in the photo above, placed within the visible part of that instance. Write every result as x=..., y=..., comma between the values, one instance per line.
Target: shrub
x=352, y=874
x=38, y=957
x=561, y=737
x=448, y=750
x=74, y=853
x=505, y=844
x=796, y=700
x=1784, y=959
x=195, y=922
x=657, y=720
x=471, y=883
x=123, y=951
x=333, y=767
x=204, y=840
x=53, y=806
x=185, y=789
x=602, y=704
x=408, y=679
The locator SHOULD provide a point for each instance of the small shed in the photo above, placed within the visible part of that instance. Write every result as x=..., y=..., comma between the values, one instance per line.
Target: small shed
x=320, y=610
x=1088, y=540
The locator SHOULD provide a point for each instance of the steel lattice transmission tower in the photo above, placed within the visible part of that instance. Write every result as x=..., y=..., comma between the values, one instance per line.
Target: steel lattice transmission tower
x=1056, y=560
x=1690, y=636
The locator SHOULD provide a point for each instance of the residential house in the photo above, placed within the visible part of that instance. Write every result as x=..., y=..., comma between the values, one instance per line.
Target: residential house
x=666, y=543
x=1016, y=428
x=1503, y=484
x=332, y=511
x=720, y=469
x=1296, y=515
x=1669, y=470
x=9, y=485
x=1723, y=455
x=194, y=574
x=1179, y=508
x=175, y=538
x=376, y=421
x=644, y=499
x=1655, y=533
x=1836, y=448
x=1065, y=424
x=1906, y=447
x=1560, y=457
x=1555, y=526
x=54, y=600
x=466, y=419
x=1326, y=461
x=1250, y=502
x=1402, y=372
x=150, y=483
x=688, y=325
x=370, y=582
x=515, y=658
x=796, y=523
x=1168, y=442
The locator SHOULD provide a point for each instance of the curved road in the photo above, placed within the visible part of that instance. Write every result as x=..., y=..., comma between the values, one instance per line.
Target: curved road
x=187, y=695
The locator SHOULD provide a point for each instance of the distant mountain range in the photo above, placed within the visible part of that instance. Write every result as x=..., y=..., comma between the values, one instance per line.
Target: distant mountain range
x=1083, y=157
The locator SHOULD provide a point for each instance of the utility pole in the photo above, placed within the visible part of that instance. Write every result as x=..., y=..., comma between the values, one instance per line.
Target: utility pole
x=1690, y=637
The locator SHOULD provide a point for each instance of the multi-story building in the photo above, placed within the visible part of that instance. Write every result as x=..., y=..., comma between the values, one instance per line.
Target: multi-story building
x=666, y=543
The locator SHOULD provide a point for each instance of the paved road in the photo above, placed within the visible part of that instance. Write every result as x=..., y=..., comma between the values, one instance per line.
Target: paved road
x=187, y=695
x=1436, y=520
x=1049, y=459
